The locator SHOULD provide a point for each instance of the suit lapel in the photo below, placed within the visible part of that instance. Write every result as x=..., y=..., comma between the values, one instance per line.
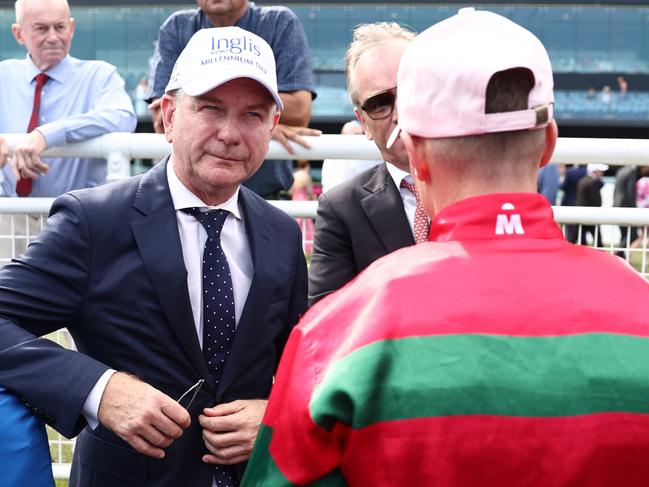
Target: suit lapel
x=259, y=235
x=158, y=241
x=384, y=209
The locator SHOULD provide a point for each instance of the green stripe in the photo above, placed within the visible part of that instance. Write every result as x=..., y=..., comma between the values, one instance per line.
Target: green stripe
x=485, y=374
x=263, y=471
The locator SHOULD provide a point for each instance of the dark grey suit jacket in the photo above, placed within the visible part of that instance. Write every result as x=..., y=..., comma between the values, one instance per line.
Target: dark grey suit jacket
x=359, y=221
x=109, y=266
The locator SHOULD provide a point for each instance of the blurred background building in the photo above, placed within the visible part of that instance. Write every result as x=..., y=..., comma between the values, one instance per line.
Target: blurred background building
x=599, y=51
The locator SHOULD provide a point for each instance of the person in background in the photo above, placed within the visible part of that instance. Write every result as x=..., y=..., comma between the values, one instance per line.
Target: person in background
x=377, y=211
x=56, y=99
x=549, y=182
x=606, y=95
x=24, y=450
x=589, y=194
x=336, y=171
x=624, y=196
x=623, y=86
x=141, y=107
x=278, y=26
x=642, y=188
x=179, y=287
x=571, y=178
x=302, y=190
x=456, y=363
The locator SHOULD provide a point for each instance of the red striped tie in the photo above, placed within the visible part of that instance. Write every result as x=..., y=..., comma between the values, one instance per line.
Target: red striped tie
x=24, y=186
x=422, y=224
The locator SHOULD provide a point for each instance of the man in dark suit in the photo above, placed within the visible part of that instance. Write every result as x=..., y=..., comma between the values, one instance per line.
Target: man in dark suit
x=589, y=194
x=372, y=214
x=569, y=187
x=121, y=267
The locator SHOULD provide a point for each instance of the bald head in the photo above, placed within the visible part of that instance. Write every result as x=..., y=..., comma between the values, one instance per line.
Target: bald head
x=45, y=28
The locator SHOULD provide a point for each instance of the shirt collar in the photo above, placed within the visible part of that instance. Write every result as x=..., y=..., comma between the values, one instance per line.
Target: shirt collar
x=494, y=217
x=183, y=198
x=57, y=72
x=397, y=174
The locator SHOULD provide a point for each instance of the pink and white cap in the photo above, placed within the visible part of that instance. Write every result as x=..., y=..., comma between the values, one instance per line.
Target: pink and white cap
x=215, y=56
x=444, y=72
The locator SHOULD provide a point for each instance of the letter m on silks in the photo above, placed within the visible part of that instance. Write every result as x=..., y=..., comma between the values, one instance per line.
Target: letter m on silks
x=509, y=224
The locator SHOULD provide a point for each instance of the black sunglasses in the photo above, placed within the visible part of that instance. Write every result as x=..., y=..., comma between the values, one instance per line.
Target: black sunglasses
x=381, y=105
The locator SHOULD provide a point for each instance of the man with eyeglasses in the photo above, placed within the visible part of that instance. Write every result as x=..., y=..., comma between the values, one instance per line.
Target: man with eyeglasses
x=376, y=212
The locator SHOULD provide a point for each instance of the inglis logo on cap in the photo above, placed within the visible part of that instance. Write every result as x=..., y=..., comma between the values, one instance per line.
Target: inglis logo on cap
x=234, y=45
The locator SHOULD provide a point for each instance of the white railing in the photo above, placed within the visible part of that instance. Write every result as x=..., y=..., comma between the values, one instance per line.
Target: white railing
x=120, y=148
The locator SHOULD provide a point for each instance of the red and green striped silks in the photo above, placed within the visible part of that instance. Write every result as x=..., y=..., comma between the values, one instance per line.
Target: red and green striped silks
x=540, y=410
x=519, y=360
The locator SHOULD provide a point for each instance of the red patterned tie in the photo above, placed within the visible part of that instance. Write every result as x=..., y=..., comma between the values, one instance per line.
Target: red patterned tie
x=24, y=186
x=422, y=223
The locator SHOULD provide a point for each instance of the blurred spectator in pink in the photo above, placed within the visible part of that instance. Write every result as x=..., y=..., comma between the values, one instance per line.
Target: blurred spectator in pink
x=642, y=191
x=623, y=85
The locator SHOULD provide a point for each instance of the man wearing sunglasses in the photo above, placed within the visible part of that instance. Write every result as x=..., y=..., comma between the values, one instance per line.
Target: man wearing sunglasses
x=372, y=214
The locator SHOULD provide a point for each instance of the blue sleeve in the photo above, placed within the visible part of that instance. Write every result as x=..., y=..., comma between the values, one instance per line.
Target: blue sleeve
x=111, y=110
x=292, y=56
x=24, y=449
x=167, y=49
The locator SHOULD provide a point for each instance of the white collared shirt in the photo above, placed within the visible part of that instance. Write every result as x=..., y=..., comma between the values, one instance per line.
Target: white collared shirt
x=409, y=200
x=234, y=242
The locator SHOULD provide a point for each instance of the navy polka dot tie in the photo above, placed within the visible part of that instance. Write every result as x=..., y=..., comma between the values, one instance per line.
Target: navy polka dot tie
x=218, y=310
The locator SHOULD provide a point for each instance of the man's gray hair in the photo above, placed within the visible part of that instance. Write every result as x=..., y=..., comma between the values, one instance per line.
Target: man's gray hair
x=366, y=37
x=20, y=7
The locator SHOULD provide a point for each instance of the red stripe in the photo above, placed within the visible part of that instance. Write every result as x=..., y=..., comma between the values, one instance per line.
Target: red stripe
x=609, y=449
x=443, y=289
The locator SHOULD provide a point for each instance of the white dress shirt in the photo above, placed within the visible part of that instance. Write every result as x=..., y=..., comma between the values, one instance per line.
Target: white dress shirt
x=234, y=242
x=409, y=200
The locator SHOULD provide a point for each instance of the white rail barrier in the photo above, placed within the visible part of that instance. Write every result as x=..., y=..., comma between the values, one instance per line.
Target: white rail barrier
x=617, y=152
x=307, y=209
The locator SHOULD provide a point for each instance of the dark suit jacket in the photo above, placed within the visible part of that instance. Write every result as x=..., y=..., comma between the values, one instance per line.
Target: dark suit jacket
x=589, y=191
x=358, y=221
x=109, y=266
x=569, y=185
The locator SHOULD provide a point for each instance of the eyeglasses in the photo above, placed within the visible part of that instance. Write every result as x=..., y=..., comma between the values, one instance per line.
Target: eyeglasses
x=381, y=105
x=196, y=387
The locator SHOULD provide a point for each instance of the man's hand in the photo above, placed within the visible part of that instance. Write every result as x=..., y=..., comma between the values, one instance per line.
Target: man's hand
x=156, y=116
x=141, y=415
x=26, y=161
x=4, y=152
x=284, y=133
x=230, y=430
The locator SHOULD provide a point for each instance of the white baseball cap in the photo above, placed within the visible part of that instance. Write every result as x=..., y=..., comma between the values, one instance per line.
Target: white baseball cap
x=591, y=168
x=444, y=72
x=215, y=56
